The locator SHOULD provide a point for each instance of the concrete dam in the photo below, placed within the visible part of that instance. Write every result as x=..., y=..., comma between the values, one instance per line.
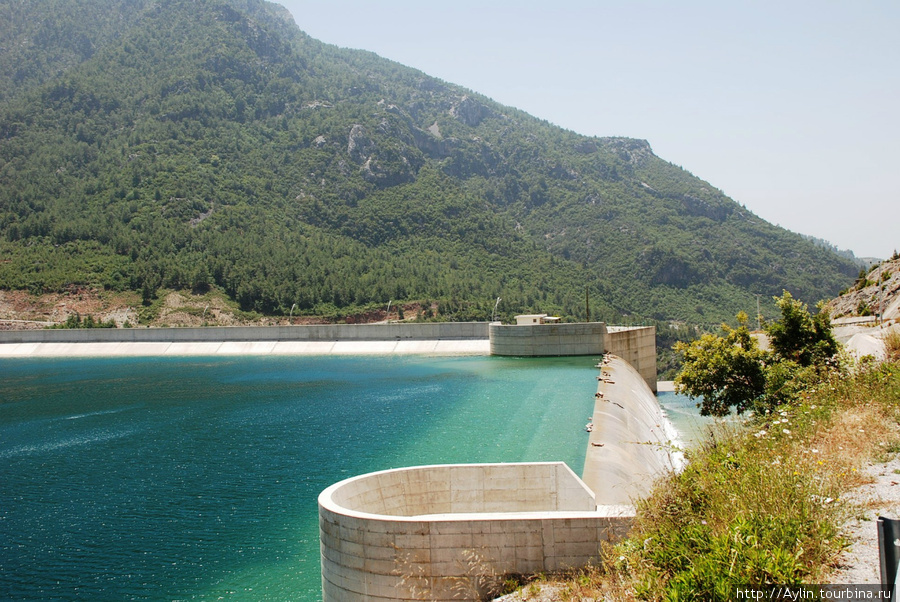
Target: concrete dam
x=412, y=533
x=637, y=345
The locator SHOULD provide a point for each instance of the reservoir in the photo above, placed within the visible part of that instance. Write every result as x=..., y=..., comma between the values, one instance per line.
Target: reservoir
x=197, y=478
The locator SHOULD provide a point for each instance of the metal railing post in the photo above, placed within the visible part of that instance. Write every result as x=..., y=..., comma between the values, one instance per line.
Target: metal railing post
x=889, y=553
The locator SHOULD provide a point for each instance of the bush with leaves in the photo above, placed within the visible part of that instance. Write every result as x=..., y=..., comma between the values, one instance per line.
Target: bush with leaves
x=799, y=336
x=727, y=372
x=76, y=321
x=731, y=372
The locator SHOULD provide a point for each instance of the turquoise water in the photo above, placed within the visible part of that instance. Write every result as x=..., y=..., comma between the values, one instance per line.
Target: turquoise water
x=197, y=479
x=683, y=413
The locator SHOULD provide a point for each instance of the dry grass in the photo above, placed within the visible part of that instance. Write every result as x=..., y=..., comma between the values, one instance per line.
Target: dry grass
x=480, y=581
x=892, y=345
x=856, y=434
x=477, y=579
x=582, y=585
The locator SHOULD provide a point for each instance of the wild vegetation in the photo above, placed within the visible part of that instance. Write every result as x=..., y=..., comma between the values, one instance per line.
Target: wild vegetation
x=184, y=145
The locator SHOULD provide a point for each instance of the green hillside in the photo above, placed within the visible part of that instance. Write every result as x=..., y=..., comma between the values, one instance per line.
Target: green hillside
x=194, y=143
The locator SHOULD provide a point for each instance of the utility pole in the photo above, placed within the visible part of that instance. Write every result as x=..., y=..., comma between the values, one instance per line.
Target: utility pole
x=758, y=324
x=587, y=303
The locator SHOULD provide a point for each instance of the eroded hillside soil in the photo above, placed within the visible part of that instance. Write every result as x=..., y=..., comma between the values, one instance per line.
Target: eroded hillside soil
x=21, y=310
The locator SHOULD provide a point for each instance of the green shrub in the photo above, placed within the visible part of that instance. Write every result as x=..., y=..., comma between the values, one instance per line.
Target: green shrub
x=76, y=321
x=742, y=513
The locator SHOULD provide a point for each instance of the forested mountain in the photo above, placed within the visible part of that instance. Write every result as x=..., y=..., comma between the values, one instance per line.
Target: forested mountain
x=195, y=143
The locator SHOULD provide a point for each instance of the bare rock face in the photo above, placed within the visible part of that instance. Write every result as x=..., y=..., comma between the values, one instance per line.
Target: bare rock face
x=371, y=171
x=635, y=152
x=359, y=145
x=878, y=295
x=470, y=111
x=384, y=165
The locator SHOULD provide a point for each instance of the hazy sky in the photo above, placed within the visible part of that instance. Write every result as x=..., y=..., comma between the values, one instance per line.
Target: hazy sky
x=789, y=107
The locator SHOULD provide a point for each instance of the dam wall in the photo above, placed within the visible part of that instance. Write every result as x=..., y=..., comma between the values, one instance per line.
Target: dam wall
x=402, y=331
x=637, y=346
x=542, y=340
x=434, y=532
x=631, y=441
x=444, y=532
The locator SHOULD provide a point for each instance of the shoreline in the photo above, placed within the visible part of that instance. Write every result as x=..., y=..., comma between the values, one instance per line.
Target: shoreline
x=230, y=348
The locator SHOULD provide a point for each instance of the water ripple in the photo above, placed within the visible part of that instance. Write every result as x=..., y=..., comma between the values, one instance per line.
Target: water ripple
x=61, y=444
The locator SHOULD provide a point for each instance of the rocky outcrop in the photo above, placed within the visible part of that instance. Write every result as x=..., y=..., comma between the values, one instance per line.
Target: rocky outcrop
x=381, y=166
x=586, y=147
x=429, y=141
x=470, y=111
x=630, y=150
x=878, y=295
x=716, y=211
x=396, y=171
x=359, y=145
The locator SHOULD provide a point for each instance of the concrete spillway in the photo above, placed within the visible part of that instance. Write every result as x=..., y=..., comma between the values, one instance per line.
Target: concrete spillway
x=631, y=440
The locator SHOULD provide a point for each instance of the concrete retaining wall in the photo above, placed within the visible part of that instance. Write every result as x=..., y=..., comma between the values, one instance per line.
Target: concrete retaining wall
x=430, y=532
x=583, y=338
x=322, y=332
x=637, y=346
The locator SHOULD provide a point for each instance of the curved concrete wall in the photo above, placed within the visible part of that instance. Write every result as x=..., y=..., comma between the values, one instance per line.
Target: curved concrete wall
x=434, y=532
x=583, y=338
x=637, y=346
x=631, y=441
